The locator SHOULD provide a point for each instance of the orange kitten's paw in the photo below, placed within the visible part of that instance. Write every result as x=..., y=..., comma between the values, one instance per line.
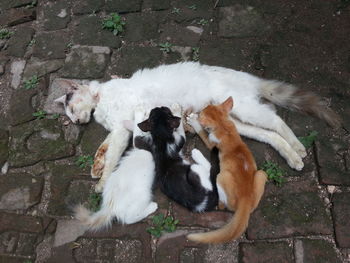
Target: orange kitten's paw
x=99, y=161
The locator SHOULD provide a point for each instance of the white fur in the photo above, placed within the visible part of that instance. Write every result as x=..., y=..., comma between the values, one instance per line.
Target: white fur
x=202, y=206
x=222, y=194
x=213, y=138
x=191, y=85
x=202, y=168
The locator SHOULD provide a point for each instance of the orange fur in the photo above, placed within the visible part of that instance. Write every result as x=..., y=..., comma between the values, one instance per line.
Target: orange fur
x=99, y=161
x=238, y=177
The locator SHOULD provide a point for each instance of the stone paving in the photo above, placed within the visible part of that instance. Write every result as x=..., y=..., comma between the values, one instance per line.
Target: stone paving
x=306, y=219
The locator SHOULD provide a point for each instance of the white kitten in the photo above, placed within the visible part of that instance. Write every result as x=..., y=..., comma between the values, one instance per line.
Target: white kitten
x=127, y=195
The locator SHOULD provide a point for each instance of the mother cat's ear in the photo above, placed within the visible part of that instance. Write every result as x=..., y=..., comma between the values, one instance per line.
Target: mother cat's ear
x=61, y=99
x=145, y=126
x=68, y=85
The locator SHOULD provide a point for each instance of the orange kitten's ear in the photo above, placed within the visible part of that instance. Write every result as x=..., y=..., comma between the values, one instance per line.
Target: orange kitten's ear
x=227, y=104
x=145, y=126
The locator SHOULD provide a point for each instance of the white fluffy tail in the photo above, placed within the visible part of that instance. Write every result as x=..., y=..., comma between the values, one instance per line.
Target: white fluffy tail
x=289, y=96
x=94, y=221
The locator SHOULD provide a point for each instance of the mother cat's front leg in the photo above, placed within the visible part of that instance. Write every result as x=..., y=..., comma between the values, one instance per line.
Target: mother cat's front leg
x=108, y=155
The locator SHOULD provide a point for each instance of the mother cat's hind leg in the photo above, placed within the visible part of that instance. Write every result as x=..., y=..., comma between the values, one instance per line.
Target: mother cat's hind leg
x=274, y=139
x=263, y=116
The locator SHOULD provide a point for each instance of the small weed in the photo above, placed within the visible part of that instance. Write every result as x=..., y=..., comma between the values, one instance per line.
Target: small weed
x=32, y=42
x=195, y=53
x=203, y=22
x=32, y=4
x=31, y=83
x=5, y=33
x=309, y=140
x=162, y=224
x=343, y=5
x=27, y=261
x=75, y=245
x=69, y=45
x=274, y=172
x=114, y=23
x=166, y=47
x=40, y=114
x=93, y=13
x=94, y=201
x=193, y=7
x=55, y=116
x=175, y=11
x=84, y=161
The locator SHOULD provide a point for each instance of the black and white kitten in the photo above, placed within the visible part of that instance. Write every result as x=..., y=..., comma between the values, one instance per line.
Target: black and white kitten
x=189, y=185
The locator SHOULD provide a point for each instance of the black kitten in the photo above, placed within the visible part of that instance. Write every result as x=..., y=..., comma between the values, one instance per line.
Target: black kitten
x=189, y=185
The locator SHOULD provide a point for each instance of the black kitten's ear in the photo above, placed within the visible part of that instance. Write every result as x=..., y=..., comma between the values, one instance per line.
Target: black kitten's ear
x=145, y=125
x=175, y=122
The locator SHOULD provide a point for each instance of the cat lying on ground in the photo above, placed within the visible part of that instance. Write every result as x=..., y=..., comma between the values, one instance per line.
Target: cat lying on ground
x=127, y=195
x=239, y=184
x=191, y=85
x=189, y=185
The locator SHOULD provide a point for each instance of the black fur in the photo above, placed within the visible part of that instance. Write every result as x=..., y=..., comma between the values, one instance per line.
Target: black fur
x=175, y=178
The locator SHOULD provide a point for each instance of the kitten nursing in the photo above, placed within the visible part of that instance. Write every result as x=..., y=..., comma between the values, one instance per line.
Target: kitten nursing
x=128, y=191
x=240, y=185
x=189, y=185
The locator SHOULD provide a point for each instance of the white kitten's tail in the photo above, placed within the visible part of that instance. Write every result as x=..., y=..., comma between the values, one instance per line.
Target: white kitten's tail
x=94, y=221
x=289, y=96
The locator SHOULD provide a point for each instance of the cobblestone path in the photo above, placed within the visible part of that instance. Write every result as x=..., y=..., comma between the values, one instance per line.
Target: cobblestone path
x=306, y=219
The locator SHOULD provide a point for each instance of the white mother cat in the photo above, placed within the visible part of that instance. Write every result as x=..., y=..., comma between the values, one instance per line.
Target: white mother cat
x=191, y=85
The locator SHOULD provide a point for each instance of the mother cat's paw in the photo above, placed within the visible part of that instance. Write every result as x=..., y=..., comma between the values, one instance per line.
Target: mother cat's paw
x=99, y=161
x=295, y=162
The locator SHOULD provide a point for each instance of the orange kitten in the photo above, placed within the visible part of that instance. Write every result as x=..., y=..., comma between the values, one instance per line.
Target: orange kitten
x=240, y=185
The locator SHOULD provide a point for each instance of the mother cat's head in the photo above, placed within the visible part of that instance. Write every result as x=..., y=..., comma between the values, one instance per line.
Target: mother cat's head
x=79, y=101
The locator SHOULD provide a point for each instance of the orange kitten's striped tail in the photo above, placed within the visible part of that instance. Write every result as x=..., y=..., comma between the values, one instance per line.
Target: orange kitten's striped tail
x=234, y=229
x=289, y=96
